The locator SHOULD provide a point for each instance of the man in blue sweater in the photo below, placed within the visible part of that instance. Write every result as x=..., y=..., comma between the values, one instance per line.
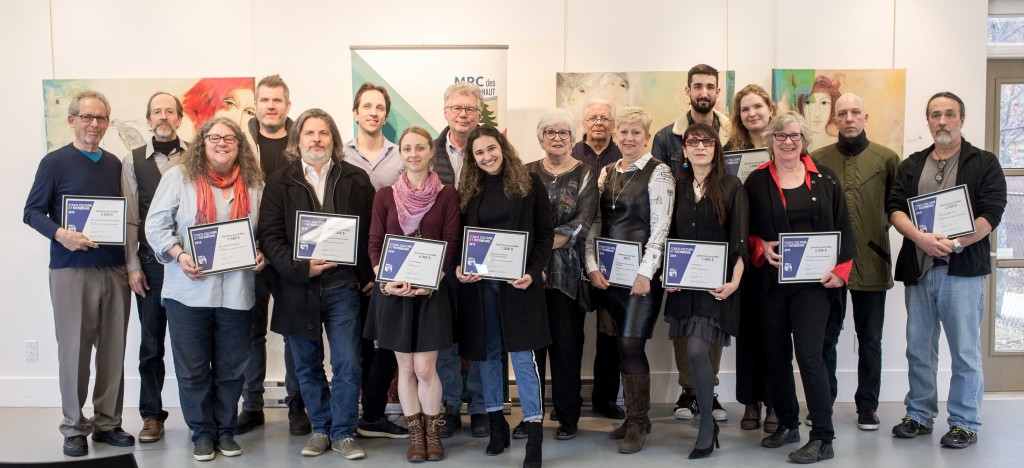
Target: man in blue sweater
x=88, y=281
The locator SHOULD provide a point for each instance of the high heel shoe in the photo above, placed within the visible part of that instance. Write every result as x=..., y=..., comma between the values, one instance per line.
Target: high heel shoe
x=706, y=452
x=500, y=433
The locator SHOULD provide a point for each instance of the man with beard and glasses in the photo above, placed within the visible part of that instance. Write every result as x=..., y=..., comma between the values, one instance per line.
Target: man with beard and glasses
x=944, y=278
x=313, y=297
x=702, y=89
x=867, y=171
x=268, y=136
x=140, y=175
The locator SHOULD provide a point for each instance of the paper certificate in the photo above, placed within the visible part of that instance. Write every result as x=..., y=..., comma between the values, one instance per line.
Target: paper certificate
x=414, y=260
x=494, y=253
x=807, y=256
x=326, y=236
x=742, y=163
x=944, y=212
x=618, y=260
x=101, y=219
x=695, y=264
x=222, y=247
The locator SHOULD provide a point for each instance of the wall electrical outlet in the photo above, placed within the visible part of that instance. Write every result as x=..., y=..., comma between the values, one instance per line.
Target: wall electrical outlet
x=31, y=350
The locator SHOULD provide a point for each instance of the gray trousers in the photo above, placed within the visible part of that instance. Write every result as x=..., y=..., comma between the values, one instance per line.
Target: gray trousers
x=90, y=309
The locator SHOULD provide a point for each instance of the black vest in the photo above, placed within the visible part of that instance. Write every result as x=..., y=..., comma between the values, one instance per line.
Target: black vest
x=147, y=177
x=625, y=203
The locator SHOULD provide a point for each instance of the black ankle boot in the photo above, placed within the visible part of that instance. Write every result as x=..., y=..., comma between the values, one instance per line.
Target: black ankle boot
x=500, y=434
x=535, y=437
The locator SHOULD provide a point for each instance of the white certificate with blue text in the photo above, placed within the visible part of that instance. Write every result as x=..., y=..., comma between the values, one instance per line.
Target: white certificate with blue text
x=690, y=264
x=807, y=256
x=494, y=253
x=618, y=261
x=413, y=260
x=741, y=163
x=326, y=236
x=224, y=246
x=944, y=212
x=101, y=219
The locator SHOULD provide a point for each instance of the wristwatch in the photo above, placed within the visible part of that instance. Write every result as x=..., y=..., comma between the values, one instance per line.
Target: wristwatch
x=957, y=248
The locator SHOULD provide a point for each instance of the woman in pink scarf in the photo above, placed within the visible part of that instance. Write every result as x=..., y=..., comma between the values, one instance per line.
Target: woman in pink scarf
x=414, y=322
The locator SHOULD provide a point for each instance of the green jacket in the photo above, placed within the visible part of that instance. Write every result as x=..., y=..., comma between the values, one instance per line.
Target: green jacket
x=867, y=179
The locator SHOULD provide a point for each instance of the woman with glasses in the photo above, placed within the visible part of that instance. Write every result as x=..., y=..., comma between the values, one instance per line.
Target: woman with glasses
x=572, y=192
x=208, y=316
x=790, y=194
x=711, y=205
x=635, y=204
x=496, y=191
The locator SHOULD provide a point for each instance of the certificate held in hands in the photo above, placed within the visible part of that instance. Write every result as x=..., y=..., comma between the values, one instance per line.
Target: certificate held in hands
x=618, y=260
x=695, y=264
x=411, y=259
x=326, y=236
x=494, y=253
x=944, y=212
x=742, y=163
x=224, y=246
x=101, y=219
x=807, y=256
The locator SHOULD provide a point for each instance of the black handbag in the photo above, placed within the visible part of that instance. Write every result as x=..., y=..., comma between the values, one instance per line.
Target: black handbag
x=583, y=294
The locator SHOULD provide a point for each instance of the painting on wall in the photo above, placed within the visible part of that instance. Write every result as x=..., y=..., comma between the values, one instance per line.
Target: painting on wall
x=661, y=94
x=813, y=93
x=201, y=98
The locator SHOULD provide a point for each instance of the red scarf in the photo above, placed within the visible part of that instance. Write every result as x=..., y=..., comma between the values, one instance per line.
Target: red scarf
x=206, y=207
x=412, y=204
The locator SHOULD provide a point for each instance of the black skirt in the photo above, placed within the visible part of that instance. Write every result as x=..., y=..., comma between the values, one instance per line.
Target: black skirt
x=410, y=324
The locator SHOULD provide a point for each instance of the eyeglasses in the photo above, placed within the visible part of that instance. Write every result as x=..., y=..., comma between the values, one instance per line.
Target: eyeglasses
x=695, y=142
x=561, y=134
x=942, y=169
x=228, y=139
x=780, y=137
x=594, y=120
x=458, y=110
x=88, y=118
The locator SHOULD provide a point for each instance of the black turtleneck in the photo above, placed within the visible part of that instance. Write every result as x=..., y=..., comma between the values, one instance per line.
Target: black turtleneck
x=852, y=146
x=166, y=147
x=495, y=206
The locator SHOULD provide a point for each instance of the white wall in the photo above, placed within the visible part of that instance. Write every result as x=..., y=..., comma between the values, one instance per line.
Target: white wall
x=941, y=43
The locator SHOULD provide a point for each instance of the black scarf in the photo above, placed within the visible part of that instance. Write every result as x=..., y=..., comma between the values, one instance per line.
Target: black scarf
x=852, y=146
x=166, y=147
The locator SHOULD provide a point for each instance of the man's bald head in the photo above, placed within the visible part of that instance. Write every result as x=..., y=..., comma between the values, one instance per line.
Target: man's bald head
x=851, y=117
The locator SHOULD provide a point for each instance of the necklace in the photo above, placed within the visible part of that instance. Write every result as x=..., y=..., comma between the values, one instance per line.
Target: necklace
x=623, y=188
x=697, y=186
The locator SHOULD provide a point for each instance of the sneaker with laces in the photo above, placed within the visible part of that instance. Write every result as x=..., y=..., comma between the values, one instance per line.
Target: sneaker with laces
x=227, y=446
x=959, y=438
x=686, y=406
x=348, y=448
x=867, y=420
x=908, y=429
x=317, y=445
x=204, y=450
x=717, y=411
x=382, y=427
x=152, y=430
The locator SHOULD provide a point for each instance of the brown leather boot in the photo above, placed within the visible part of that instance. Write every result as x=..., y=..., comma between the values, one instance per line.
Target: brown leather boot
x=751, y=417
x=433, y=423
x=636, y=391
x=417, y=440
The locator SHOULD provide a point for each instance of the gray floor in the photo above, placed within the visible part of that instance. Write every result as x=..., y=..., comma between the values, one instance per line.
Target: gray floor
x=30, y=434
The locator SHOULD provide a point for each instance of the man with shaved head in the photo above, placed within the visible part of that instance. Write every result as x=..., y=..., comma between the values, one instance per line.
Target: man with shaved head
x=866, y=171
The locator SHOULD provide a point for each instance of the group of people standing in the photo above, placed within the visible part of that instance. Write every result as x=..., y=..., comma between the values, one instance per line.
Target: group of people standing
x=606, y=185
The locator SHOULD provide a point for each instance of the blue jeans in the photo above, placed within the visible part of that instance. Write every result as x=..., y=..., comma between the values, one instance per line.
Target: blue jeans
x=955, y=304
x=256, y=368
x=524, y=363
x=332, y=410
x=449, y=367
x=153, y=325
x=210, y=347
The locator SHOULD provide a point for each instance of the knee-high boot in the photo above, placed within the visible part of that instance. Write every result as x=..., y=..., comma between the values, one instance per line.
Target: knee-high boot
x=636, y=391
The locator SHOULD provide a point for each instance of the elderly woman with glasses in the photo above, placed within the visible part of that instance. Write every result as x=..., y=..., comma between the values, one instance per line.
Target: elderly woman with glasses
x=790, y=194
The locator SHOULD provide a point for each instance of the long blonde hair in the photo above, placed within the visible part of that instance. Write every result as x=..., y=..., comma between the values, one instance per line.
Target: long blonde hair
x=515, y=178
x=739, y=136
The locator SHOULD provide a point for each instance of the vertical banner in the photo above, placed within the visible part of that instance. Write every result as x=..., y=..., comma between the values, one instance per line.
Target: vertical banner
x=417, y=76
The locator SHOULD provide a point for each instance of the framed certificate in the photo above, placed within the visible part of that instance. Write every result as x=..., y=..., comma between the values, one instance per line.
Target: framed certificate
x=224, y=246
x=494, y=253
x=741, y=163
x=946, y=212
x=691, y=264
x=618, y=260
x=101, y=219
x=412, y=259
x=807, y=256
x=326, y=236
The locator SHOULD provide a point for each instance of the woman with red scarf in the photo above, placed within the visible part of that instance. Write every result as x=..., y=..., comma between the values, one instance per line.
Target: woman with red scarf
x=415, y=322
x=218, y=179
